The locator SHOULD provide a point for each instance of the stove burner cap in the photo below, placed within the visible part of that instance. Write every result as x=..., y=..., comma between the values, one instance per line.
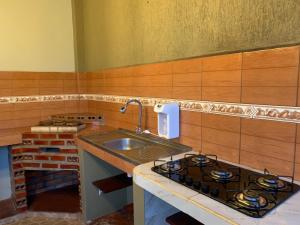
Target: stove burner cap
x=250, y=199
x=201, y=159
x=170, y=167
x=250, y=195
x=221, y=174
x=270, y=182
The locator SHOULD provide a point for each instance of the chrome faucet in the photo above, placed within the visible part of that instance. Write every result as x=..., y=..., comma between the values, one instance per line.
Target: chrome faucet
x=123, y=109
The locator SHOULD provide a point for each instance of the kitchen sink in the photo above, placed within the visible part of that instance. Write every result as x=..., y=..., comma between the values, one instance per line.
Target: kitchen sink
x=125, y=144
x=136, y=148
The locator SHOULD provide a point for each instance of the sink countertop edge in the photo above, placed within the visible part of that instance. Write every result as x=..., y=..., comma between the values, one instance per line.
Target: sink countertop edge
x=107, y=156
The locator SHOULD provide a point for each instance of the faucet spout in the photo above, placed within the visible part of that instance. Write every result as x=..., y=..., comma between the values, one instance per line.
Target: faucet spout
x=123, y=109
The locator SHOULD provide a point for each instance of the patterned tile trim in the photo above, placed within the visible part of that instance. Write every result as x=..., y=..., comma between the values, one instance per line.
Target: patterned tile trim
x=266, y=112
x=251, y=111
x=38, y=98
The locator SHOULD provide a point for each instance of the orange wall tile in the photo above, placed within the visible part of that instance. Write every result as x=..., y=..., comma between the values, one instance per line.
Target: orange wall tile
x=258, y=77
x=187, y=66
x=271, y=77
x=272, y=58
x=35, y=83
x=222, y=62
x=270, y=95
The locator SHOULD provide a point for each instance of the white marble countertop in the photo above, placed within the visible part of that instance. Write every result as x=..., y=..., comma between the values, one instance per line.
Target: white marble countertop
x=205, y=209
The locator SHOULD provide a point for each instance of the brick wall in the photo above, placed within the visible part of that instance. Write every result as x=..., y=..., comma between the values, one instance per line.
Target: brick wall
x=42, y=181
x=52, y=154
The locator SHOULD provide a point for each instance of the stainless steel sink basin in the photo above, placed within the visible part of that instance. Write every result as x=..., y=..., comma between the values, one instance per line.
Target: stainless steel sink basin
x=133, y=147
x=124, y=144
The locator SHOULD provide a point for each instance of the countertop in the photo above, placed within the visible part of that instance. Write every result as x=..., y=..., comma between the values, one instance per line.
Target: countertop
x=12, y=136
x=207, y=210
x=91, y=140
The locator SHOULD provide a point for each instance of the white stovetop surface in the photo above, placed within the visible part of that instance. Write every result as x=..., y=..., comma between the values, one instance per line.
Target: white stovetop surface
x=207, y=210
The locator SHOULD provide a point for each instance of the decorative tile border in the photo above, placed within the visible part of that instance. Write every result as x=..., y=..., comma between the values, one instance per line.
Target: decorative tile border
x=266, y=112
x=38, y=98
x=251, y=111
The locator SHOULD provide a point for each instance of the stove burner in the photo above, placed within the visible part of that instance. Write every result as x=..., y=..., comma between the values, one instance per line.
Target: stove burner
x=221, y=174
x=270, y=182
x=250, y=199
x=249, y=192
x=201, y=160
x=170, y=167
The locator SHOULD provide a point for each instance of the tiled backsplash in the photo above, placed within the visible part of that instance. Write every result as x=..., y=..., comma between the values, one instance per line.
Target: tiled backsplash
x=34, y=84
x=260, y=84
x=264, y=78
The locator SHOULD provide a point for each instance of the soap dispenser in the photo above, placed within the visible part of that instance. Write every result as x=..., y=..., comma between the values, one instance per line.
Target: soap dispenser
x=168, y=120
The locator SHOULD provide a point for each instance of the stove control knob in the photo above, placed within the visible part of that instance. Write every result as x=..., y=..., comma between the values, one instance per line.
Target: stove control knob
x=214, y=192
x=197, y=184
x=181, y=178
x=205, y=188
x=189, y=180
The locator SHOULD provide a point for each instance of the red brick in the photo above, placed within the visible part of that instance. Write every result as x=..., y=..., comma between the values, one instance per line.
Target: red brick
x=48, y=136
x=21, y=195
x=30, y=150
x=58, y=158
x=17, y=166
x=20, y=181
x=41, y=142
x=57, y=142
x=16, y=150
x=70, y=151
x=48, y=165
x=30, y=135
x=41, y=157
x=31, y=165
x=65, y=136
x=64, y=166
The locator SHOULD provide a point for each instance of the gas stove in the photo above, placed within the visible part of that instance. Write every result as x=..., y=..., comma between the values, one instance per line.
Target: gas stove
x=249, y=192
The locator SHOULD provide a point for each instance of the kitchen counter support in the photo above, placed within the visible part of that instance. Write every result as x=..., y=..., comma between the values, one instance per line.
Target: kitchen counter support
x=148, y=209
x=93, y=204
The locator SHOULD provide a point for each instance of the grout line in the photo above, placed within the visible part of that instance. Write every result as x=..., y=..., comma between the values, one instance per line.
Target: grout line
x=201, y=74
x=294, y=156
x=241, y=97
x=296, y=134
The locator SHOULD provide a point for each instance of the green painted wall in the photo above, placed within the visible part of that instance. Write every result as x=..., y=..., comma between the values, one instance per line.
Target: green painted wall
x=127, y=32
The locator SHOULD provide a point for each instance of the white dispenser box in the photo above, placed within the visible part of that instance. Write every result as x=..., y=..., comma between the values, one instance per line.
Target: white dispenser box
x=168, y=120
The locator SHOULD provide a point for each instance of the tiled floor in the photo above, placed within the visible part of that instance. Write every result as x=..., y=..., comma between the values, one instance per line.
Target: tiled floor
x=121, y=217
x=42, y=220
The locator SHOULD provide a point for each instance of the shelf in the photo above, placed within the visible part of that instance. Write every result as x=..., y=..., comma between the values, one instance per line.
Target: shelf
x=181, y=218
x=114, y=183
